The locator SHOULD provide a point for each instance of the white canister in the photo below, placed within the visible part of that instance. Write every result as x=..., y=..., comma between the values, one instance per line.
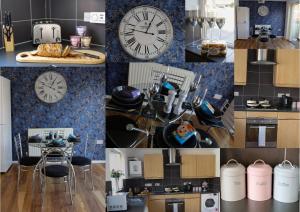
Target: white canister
x=259, y=181
x=286, y=182
x=233, y=182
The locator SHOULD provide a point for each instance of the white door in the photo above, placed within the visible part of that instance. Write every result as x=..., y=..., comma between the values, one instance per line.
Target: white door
x=5, y=101
x=5, y=147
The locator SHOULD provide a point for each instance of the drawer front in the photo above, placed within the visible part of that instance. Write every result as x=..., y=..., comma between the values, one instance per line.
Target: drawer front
x=240, y=114
x=262, y=114
x=289, y=116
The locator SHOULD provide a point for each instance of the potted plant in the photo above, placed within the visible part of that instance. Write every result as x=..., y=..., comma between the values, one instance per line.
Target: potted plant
x=116, y=174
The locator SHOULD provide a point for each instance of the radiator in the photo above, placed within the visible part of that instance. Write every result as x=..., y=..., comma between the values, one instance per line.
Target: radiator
x=43, y=132
x=143, y=75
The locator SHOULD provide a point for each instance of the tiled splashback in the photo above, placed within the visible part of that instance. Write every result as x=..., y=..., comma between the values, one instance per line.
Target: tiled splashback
x=68, y=13
x=116, y=9
x=275, y=18
x=82, y=108
x=260, y=83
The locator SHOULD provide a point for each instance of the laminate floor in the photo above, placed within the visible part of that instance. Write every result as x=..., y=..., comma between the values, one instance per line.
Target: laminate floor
x=56, y=199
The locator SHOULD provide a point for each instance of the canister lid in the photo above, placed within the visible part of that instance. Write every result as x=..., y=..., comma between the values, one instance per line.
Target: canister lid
x=259, y=168
x=232, y=168
x=287, y=169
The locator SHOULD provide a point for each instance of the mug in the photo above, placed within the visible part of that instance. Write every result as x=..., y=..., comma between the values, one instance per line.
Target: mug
x=75, y=41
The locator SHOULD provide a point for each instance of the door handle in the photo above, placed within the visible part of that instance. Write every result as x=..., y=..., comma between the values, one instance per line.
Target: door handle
x=251, y=127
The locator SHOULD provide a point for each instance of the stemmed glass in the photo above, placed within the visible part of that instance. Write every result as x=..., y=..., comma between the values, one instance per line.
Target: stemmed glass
x=192, y=18
x=220, y=23
x=211, y=23
x=200, y=21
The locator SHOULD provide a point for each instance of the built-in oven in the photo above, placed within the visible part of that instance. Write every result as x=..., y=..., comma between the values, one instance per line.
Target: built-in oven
x=261, y=132
x=174, y=205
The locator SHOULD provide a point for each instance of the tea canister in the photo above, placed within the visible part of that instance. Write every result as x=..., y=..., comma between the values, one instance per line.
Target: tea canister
x=259, y=181
x=233, y=181
x=286, y=182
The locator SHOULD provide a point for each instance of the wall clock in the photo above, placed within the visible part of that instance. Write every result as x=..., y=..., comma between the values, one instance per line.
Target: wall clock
x=145, y=32
x=50, y=87
x=263, y=11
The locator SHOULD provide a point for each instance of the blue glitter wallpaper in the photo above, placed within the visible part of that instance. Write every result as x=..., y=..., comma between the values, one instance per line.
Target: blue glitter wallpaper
x=116, y=9
x=82, y=108
x=276, y=17
x=217, y=77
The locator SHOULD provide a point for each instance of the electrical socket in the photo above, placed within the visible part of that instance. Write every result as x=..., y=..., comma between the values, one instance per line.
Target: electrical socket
x=100, y=142
x=148, y=184
x=97, y=17
x=236, y=93
x=87, y=16
x=157, y=184
x=218, y=96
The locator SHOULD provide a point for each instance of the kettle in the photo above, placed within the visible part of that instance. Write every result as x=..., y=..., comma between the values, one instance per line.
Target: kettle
x=285, y=101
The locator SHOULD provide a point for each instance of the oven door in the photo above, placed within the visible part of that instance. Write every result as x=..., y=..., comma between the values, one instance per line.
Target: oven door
x=174, y=205
x=261, y=133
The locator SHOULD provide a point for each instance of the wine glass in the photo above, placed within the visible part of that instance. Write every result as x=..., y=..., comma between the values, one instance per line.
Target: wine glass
x=220, y=23
x=193, y=21
x=211, y=23
x=200, y=21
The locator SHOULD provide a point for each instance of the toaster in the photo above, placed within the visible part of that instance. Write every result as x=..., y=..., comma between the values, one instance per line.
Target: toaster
x=46, y=32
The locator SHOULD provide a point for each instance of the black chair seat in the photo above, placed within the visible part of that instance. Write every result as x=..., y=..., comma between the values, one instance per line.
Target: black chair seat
x=56, y=171
x=80, y=161
x=29, y=161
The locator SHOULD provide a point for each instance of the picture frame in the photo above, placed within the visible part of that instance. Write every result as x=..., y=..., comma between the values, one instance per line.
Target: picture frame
x=135, y=168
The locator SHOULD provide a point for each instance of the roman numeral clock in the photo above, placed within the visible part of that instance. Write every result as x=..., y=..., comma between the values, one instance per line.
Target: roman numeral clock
x=50, y=87
x=145, y=32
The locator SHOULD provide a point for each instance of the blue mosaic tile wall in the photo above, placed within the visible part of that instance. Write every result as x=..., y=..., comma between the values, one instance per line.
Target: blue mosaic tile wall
x=217, y=77
x=116, y=9
x=82, y=108
x=276, y=16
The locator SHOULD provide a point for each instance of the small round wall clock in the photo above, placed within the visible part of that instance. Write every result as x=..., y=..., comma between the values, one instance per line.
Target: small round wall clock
x=145, y=32
x=50, y=87
x=263, y=10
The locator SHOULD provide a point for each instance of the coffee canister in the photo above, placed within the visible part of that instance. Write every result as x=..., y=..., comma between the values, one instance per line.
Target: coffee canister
x=233, y=181
x=259, y=181
x=286, y=182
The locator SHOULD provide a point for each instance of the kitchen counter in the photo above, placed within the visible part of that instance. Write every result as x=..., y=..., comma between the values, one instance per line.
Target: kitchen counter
x=243, y=108
x=194, y=50
x=247, y=205
x=8, y=59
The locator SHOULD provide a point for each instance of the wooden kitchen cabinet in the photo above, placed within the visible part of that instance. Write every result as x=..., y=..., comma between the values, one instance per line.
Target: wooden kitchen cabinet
x=240, y=66
x=239, y=133
x=192, y=204
x=157, y=205
x=188, y=166
x=153, y=166
x=287, y=71
x=198, y=166
x=288, y=133
x=206, y=166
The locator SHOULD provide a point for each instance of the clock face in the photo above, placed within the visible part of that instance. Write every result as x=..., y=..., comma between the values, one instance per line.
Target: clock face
x=145, y=32
x=50, y=87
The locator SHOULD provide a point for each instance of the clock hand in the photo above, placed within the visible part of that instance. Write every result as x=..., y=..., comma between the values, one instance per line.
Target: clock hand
x=150, y=23
x=53, y=82
x=142, y=32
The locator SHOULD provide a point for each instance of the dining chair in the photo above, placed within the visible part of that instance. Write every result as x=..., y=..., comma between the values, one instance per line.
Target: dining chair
x=84, y=162
x=25, y=163
x=61, y=171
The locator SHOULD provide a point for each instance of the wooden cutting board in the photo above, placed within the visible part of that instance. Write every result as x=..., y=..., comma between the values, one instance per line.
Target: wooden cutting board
x=27, y=57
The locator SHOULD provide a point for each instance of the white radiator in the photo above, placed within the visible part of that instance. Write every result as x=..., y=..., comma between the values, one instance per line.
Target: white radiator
x=43, y=132
x=141, y=75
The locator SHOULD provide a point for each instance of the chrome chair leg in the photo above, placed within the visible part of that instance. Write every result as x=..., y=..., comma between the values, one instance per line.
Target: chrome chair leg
x=70, y=189
x=91, y=173
x=19, y=176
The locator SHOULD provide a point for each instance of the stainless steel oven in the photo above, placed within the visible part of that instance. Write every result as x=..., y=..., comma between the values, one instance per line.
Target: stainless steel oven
x=174, y=205
x=261, y=132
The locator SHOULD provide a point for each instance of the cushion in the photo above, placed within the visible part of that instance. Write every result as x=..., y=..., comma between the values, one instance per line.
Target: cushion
x=80, y=161
x=29, y=161
x=56, y=171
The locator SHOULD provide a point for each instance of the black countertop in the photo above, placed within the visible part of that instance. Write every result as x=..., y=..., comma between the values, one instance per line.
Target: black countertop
x=195, y=50
x=243, y=108
x=8, y=59
x=247, y=205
